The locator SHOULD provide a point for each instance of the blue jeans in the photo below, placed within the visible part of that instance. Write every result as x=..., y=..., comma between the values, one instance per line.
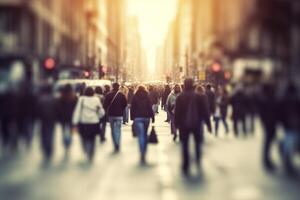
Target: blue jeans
x=126, y=115
x=141, y=127
x=115, y=125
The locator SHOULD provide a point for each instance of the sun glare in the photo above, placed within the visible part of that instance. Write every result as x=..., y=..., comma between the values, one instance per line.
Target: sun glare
x=154, y=19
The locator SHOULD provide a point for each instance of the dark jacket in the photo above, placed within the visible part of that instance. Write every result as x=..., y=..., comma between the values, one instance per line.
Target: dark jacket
x=154, y=97
x=238, y=102
x=141, y=106
x=65, y=108
x=183, y=101
x=46, y=109
x=115, y=108
x=211, y=101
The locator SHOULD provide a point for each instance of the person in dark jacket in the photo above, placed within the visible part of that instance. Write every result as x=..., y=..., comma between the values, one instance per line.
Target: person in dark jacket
x=65, y=108
x=46, y=109
x=220, y=114
x=141, y=113
x=211, y=99
x=268, y=111
x=154, y=97
x=114, y=104
x=191, y=111
x=164, y=98
x=290, y=119
x=238, y=103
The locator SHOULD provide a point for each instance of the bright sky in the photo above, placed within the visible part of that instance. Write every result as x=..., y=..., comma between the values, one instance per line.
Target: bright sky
x=154, y=19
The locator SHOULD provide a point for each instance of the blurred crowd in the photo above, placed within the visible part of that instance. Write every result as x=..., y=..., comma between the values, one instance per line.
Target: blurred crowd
x=192, y=110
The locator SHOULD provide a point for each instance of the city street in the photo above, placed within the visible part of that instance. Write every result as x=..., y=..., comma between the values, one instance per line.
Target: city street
x=231, y=171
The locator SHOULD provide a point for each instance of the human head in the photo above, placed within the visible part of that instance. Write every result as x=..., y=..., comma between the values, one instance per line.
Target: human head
x=200, y=90
x=115, y=86
x=208, y=87
x=98, y=90
x=188, y=84
x=67, y=89
x=177, y=89
x=89, y=92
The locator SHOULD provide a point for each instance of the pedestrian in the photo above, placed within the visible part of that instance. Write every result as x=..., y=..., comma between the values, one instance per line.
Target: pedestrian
x=102, y=122
x=87, y=115
x=154, y=97
x=211, y=99
x=170, y=107
x=268, y=111
x=124, y=90
x=129, y=98
x=65, y=109
x=164, y=98
x=115, y=102
x=141, y=113
x=191, y=111
x=290, y=119
x=46, y=112
x=220, y=113
x=238, y=103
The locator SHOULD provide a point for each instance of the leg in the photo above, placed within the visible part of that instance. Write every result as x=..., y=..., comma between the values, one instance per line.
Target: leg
x=198, y=141
x=185, y=151
x=236, y=127
x=225, y=124
x=269, y=138
x=217, y=120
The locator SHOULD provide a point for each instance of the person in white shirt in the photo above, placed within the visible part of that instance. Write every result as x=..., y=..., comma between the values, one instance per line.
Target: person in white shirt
x=86, y=117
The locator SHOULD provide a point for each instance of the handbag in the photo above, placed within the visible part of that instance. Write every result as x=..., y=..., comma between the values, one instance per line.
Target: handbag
x=152, y=138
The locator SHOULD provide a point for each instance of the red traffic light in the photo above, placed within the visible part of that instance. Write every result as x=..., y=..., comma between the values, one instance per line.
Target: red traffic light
x=216, y=67
x=86, y=74
x=49, y=63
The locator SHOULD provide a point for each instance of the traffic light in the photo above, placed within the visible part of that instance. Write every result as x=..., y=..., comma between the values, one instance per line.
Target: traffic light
x=86, y=74
x=49, y=67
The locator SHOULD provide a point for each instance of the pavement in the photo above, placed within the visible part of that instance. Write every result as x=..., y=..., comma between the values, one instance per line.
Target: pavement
x=231, y=171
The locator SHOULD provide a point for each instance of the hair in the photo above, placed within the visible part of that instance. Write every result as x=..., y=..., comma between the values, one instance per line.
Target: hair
x=89, y=92
x=67, y=89
x=98, y=90
x=188, y=84
x=115, y=86
x=208, y=86
x=200, y=89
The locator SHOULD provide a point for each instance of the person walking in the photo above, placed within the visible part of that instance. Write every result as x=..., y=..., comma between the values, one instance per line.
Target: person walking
x=65, y=109
x=170, y=108
x=154, y=97
x=238, y=103
x=191, y=111
x=211, y=99
x=290, y=119
x=124, y=90
x=115, y=102
x=164, y=98
x=220, y=114
x=87, y=115
x=46, y=113
x=141, y=113
x=102, y=123
x=268, y=111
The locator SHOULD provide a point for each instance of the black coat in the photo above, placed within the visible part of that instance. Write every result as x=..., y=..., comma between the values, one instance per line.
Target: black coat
x=201, y=106
x=65, y=108
x=141, y=106
x=211, y=100
x=115, y=108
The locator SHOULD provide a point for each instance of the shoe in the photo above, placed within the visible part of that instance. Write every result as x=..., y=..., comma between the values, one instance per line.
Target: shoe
x=174, y=138
x=102, y=140
x=143, y=160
